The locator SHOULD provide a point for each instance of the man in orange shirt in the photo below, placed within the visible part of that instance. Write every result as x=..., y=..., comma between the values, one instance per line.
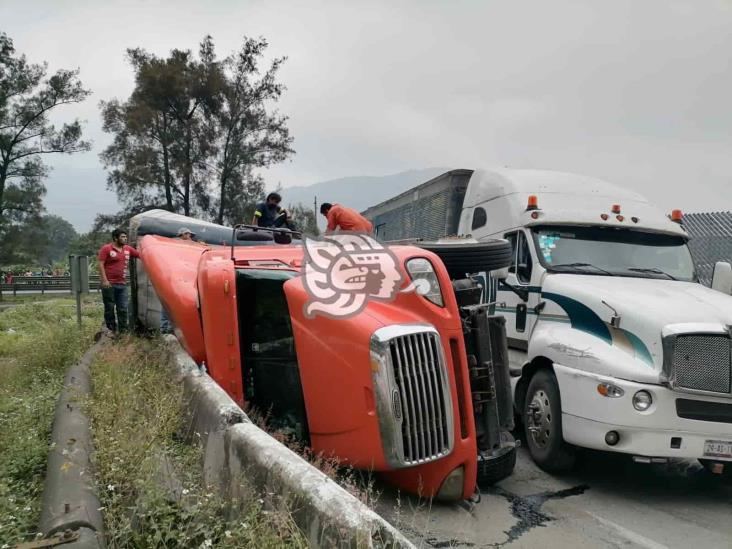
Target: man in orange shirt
x=344, y=219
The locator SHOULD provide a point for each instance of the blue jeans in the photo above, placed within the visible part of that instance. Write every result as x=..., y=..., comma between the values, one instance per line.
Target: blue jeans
x=115, y=297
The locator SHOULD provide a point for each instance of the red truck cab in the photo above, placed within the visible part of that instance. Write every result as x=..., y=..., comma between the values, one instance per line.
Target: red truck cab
x=385, y=390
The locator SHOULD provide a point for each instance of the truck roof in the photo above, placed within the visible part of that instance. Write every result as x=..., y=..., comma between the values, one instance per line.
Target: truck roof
x=565, y=198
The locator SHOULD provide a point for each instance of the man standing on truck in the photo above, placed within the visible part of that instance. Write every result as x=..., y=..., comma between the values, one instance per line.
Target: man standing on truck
x=270, y=214
x=344, y=219
x=113, y=259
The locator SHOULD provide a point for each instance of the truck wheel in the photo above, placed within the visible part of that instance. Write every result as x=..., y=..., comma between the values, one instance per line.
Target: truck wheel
x=542, y=418
x=471, y=257
x=494, y=469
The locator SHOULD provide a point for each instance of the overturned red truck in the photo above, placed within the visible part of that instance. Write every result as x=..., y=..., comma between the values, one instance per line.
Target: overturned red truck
x=416, y=389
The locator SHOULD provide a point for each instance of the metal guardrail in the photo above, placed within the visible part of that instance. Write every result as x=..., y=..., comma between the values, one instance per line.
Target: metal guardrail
x=44, y=284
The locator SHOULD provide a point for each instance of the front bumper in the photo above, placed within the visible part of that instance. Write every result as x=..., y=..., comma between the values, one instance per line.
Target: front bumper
x=587, y=416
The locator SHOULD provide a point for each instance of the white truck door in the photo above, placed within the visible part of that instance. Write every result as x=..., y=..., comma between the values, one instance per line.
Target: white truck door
x=519, y=312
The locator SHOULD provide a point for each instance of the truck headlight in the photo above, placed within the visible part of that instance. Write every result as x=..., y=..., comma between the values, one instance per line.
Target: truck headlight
x=420, y=268
x=642, y=400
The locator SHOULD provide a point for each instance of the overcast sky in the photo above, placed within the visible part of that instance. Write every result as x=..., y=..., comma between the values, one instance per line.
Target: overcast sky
x=637, y=92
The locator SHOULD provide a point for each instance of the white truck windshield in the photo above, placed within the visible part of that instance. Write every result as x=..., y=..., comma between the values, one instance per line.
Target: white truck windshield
x=617, y=252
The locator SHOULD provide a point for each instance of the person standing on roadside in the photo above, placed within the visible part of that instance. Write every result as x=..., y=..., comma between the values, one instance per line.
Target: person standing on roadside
x=113, y=259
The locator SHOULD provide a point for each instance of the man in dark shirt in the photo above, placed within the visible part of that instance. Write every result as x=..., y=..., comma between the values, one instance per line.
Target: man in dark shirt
x=270, y=214
x=113, y=259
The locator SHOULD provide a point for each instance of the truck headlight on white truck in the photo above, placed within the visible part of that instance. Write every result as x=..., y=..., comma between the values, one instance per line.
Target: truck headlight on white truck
x=642, y=400
x=420, y=268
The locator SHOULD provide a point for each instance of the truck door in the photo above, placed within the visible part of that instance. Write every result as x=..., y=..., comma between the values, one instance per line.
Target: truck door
x=519, y=312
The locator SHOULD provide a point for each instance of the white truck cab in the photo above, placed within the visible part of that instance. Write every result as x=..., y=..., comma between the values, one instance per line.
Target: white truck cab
x=614, y=344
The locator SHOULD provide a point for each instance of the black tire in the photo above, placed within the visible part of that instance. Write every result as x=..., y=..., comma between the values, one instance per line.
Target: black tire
x=542, y=410
x=492, y=470
x=250, y=235
x=471, y=257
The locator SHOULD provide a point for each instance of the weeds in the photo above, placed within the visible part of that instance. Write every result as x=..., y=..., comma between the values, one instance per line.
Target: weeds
x=359, y=483
x=150, y=483
x=38, y=343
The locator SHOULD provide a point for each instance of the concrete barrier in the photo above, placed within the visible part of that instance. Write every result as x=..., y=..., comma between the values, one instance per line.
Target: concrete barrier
x=236, y=451
x=69, y=498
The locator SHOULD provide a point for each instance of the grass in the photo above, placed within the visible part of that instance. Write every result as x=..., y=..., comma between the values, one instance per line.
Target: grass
x=359, y=483
x=38, y=343
x=150, y=483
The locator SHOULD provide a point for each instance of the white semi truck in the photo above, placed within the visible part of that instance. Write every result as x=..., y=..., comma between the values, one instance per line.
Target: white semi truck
x=614, y=345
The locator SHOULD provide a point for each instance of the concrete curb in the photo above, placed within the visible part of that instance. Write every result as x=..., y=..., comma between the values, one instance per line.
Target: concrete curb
x=69, y=498
x=235, y=449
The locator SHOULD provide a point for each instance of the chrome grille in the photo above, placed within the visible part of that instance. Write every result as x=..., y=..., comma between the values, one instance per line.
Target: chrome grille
x=701, y=362
x=423, y=396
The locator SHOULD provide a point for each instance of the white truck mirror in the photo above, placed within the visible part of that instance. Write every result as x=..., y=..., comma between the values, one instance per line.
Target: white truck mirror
x=722, y=277
x=500, y=274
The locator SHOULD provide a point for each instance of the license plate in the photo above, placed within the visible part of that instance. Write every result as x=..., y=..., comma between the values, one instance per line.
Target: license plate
x=718, y=448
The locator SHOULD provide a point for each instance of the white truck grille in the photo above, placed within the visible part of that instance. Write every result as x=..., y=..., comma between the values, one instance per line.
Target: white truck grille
x=703, y=362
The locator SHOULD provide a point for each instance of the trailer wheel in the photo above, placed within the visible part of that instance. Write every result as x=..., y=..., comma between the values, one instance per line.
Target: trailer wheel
x=495, y=469
x=542, y=418
x=471, y=257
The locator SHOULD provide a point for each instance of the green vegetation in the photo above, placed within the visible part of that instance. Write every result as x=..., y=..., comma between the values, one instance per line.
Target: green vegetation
x=193, y=130
x=150, y=482
x=38, y=343
x=29, y=98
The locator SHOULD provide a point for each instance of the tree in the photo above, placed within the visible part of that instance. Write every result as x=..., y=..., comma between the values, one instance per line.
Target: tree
x=160, y=135
x=58, y=234
x=247, y=135
x=27, y=98
x=193, y=130
x=244, y=191
x=305, y=219
x=89, y=243
x=39, y=242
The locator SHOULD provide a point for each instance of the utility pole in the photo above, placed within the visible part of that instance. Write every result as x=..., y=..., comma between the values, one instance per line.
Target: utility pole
x=79, y=268
x=315, y=207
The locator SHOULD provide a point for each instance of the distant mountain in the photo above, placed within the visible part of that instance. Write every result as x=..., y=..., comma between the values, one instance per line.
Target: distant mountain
x=358, y=192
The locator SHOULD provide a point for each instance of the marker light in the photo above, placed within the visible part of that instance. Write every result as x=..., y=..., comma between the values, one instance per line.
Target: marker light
x=634, y=219
x=619, y=218
x=604, y=217
x=533, y=203
x=676, y=216
x=534, y=215
x=616, y=208
x=642, y=400
x=609, y=390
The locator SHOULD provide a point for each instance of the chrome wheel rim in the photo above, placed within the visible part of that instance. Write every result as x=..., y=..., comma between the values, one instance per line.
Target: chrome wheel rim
x=539, y=418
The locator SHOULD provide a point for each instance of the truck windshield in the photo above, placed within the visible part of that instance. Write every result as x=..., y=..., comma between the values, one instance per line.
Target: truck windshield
x=615, y=252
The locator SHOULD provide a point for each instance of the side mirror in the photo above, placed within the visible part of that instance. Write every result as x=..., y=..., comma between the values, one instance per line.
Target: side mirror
x=500, y=274
x=722, y=277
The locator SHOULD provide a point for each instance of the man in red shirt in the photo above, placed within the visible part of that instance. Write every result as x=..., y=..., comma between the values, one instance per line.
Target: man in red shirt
x=113, y=260
x=344, y=219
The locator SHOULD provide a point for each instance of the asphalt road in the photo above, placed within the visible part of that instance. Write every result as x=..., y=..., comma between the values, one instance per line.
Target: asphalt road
x=608, y=501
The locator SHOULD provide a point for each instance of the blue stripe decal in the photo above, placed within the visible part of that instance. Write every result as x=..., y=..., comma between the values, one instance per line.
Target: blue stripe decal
x=581, y=316
x=639, y=347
